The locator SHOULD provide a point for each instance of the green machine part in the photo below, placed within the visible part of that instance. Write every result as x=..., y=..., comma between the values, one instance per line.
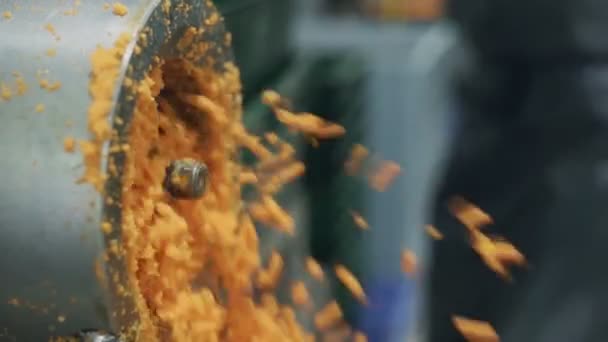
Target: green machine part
x=330, y=85
x=261, y=31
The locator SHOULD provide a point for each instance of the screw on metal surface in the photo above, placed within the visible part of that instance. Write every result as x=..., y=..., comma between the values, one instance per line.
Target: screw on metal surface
x=186, y=179
x=91, y=335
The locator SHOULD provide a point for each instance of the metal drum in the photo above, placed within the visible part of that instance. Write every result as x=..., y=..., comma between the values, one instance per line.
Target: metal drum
x=50, y=237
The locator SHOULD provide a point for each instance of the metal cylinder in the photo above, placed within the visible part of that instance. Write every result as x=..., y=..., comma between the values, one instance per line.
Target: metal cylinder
x=50, y=235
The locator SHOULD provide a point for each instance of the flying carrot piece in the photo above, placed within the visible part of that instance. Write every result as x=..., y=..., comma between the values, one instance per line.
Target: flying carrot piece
x=299, y=294
x=310, y=124
x=314, y=269
x=329, y=316
x=359, y=220
x=351, y=282
x=433, y=232
x=358, y=154
x=497, y=255
x=409, y=263
x=468, y=214
x=384, y=175
x=475, y=331
x=507, y=253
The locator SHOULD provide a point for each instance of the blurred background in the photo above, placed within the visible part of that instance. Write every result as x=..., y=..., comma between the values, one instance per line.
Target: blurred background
x=500, y=102
x=350, y=61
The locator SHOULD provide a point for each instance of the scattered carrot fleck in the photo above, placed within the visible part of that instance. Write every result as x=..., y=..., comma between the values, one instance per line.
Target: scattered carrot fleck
x=7, y=15
x=474, y=330
x=39, y=108
x=468, y=214
x=51, y=29
x=358, y=154
x=69, y=145
x=106, y=227
x=51, y=52
x=119, y=9
x=5, y=92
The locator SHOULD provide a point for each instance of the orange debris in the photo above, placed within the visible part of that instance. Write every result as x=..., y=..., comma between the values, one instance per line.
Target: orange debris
x=475, y=331
x=384, y=175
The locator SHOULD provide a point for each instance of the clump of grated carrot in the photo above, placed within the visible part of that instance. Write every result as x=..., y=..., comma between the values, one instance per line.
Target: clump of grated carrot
x=474, y=330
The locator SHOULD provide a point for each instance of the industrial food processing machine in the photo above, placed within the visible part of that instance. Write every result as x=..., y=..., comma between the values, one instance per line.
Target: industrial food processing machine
x=50, y=234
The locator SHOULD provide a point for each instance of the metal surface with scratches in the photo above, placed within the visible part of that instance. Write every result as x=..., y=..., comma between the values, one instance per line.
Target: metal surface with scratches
x=49, y=224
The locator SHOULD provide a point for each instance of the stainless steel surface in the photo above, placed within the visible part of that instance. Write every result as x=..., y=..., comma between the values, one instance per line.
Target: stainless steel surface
x=49, y=225
x=186, y=179
x=96, y=336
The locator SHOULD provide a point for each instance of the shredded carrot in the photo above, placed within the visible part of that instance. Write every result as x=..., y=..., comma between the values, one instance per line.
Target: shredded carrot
x=314, y=269
x=351, y=283
x=272, y=138
x=299, y=294
x=269, y=212
x=310, y=124
x=69, y=145
x=268, y=279
x=475, y=331
x=329, y=316
x=470, y=215
x=498, y=255
x=384, y=175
